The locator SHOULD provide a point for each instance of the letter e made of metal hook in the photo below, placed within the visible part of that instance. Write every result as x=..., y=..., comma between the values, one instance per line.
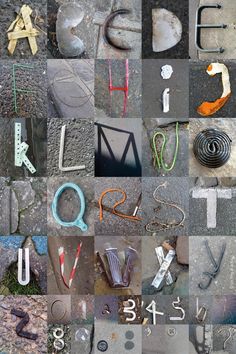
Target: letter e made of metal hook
x=23, y=275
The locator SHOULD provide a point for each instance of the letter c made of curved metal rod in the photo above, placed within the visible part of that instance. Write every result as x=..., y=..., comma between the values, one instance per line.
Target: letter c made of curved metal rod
x=78, y=222
x=106, y=24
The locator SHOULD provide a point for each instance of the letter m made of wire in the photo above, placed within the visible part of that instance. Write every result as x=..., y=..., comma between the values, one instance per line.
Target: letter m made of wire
x=15, y=89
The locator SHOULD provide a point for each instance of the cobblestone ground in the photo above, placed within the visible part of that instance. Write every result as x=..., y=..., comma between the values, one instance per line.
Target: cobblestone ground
x=23, y=206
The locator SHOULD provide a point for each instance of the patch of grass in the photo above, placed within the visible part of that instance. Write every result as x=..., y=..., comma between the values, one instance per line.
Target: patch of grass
x=10, y=281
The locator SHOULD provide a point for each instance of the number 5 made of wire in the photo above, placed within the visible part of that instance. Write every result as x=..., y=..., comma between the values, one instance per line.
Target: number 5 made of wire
x=15, y=90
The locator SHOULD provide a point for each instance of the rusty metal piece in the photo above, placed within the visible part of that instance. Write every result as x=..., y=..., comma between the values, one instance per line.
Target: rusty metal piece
x=22, y=324
x=113, y=270
x=106, y=24
x=114, y=266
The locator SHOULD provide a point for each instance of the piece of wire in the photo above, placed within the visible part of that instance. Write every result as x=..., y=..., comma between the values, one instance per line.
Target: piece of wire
x=216, y=265
x=159, y=159
x=114, y=211
x=125, y=89
x=156, y=224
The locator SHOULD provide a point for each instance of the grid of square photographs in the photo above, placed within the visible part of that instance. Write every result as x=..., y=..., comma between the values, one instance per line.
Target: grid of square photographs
x=117, y=177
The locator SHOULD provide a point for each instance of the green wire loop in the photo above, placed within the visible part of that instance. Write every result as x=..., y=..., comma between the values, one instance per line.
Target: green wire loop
x=159, y=159
x=14, y=88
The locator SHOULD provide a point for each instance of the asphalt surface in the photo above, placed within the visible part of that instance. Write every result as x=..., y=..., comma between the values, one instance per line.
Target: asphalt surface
x=207, y=88
x=154, y=85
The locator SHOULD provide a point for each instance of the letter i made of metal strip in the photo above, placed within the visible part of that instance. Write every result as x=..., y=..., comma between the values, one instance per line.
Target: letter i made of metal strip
x=23, y=275
x=21, y=149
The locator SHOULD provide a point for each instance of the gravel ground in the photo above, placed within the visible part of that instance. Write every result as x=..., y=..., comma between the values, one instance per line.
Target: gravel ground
x=66, y=338
x=224, y=283
x=34, y=79
x=78, y=148
x=36, y=307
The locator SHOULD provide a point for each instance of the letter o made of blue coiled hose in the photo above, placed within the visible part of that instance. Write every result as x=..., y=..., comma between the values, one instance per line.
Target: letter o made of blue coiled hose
x=78, y=222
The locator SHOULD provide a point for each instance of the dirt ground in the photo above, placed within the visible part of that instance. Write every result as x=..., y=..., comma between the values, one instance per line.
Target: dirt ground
x=39, y=21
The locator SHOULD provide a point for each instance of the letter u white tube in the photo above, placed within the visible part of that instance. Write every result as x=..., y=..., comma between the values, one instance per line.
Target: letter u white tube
x=26, y=279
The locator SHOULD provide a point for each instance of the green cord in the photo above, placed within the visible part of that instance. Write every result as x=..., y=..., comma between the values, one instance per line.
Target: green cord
x=159, y=159
x=15, y=89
